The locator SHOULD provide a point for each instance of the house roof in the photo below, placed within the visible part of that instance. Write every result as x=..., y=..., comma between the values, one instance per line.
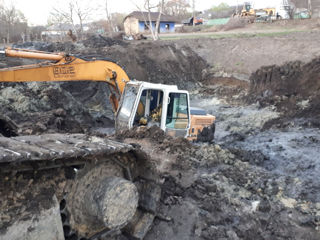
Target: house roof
x=142, y=16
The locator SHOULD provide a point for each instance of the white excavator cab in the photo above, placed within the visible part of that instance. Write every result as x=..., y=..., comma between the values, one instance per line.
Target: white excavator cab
x=148, y=104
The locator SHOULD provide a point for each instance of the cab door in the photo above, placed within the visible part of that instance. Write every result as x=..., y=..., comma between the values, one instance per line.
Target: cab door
x=177, y=117
x=127, y=106
x=149, y=109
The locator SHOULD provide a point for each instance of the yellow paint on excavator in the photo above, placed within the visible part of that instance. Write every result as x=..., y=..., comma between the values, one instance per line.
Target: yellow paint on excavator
x=66, y=68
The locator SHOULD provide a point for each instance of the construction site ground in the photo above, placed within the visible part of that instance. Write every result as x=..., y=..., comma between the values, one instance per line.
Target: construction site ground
x=260, y=179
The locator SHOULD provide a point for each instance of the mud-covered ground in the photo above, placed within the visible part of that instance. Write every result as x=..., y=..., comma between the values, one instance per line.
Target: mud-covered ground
x=259, y=180
x=211, y=193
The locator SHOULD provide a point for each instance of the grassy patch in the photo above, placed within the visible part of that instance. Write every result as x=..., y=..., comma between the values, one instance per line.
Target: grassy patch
x=228, y=35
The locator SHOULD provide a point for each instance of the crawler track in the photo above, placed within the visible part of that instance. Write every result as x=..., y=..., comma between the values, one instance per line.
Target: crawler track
x=96, y=181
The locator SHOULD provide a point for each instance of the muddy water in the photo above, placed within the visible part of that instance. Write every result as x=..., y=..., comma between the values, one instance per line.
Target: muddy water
x=293, y=151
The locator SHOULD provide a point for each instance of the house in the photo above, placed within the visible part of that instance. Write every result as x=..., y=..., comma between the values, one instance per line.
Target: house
x=56, y=32
x=137, y=22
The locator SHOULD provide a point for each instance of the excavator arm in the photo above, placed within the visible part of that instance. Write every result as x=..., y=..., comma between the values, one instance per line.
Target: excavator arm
x=64, y=67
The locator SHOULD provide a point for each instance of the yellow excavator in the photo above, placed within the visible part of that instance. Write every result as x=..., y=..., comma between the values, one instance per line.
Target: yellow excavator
x=75, y=186
x=133, y=102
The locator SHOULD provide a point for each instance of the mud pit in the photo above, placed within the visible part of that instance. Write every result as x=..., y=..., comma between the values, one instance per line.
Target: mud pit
x=210, y=193
x=260, y=179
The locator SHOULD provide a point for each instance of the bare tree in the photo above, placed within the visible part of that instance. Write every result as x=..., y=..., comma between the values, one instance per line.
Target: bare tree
x=310, y=7
x=109, y=17
x=149, y=6
x=176, y=8
x=76, y=13
x=83, y=12
x=12, y=19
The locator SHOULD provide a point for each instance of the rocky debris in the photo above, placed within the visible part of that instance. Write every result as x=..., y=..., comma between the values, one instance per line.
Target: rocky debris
x=45, y=107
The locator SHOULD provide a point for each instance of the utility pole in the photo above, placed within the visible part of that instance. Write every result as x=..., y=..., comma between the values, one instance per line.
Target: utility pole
x=310, y=8
x=193, y=12
x=237, y=8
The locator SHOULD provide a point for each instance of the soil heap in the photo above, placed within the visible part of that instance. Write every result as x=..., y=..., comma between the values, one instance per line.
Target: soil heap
x=293, y=87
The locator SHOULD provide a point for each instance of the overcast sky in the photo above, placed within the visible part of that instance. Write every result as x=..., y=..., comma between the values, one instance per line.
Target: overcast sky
x=37, y=11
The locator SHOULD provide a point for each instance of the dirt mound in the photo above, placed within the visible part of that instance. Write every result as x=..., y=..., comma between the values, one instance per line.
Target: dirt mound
x=293, y=87
x=157, y=62
x=43, y=107
x=101, y=41
x=155, y=133
x=158, y=136
x=236, y=22
x=228, y=88
x=48, y=46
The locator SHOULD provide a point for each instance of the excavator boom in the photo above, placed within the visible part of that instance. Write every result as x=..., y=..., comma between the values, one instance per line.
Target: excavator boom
x=63, y=67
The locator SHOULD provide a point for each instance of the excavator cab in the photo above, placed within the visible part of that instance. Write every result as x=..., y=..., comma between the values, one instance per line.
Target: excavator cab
x=147, y=104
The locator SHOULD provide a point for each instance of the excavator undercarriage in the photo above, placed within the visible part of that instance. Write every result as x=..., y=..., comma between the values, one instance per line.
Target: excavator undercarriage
x=79, y=186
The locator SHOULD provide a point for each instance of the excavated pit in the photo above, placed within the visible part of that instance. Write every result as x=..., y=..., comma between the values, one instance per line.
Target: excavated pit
x=260, y=182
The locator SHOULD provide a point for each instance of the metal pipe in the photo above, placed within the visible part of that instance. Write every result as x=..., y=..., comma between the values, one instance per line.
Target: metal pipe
x=21, y=53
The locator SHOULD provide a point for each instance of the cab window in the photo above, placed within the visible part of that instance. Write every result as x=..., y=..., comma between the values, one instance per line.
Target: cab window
x=177, y=114
x=150, y=108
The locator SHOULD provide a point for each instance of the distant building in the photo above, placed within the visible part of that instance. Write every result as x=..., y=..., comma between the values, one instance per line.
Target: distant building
x=57, y=32
x=137, y=22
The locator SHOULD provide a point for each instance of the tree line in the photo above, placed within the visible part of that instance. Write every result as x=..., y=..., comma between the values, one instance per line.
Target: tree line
x=76, y=17
x=13, y=24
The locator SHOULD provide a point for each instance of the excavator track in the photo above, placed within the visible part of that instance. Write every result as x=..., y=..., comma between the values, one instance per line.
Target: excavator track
x=61, y=186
